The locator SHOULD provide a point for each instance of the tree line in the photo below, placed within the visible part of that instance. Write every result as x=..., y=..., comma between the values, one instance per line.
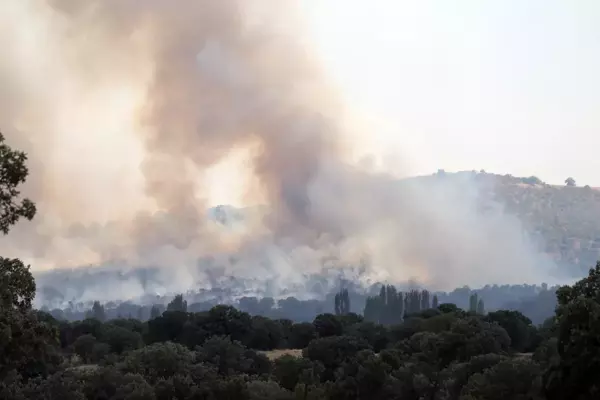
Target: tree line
x=536, y=302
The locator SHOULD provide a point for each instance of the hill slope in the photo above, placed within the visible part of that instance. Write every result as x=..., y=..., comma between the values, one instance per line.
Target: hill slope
x=564, y=219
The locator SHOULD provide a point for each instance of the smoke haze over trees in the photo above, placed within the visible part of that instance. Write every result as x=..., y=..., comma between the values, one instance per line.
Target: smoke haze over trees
x=339, y=286
x=164, y=95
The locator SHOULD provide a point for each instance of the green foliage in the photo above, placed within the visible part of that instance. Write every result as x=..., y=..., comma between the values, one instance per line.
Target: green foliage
x=454, y=378
x=230, y=357
x=517, y=379
x=97, y=312
x=570, y=182
x=480, y=307
x=84, y=347
x=28, y=340
x=473, y=302
x=342, y=302
x=155, y=312
x=17, y=286
x=434, y=355
x=328, y=325
x=376, y=335
x=546, y=353
x=532, y=180
x=448, y=308
x=290, y=371
x=177, y=304
x=360, y=377
x=332, y=351
x=301, y=334
x=266, y=334
x=159, y=361
x=120, y=339
x=13, y=172
x=519, y=328
x=578, y=322
x=391, y=306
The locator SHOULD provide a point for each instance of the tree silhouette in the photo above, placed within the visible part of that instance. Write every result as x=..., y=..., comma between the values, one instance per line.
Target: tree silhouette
x=177, y=304
x=342, y=302
x=13, y=172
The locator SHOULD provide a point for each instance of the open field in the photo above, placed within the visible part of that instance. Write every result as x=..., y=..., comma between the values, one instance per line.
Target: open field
x=275, y=354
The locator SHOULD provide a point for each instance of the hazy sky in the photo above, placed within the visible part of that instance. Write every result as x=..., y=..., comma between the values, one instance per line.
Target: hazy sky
x=509, y=86
x=131, y=107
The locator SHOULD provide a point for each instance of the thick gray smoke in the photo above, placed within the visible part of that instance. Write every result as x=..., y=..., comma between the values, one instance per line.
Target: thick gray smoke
x=126, y=106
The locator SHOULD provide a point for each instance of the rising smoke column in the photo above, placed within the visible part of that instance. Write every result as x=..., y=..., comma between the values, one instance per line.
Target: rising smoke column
x=207, y=78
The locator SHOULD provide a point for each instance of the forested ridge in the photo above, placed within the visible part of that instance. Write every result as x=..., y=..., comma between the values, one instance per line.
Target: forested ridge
x=405, y=346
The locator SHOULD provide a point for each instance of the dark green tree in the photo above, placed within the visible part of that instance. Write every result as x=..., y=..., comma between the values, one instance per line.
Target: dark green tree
x=518, y=326
x=517, y=379
x=230, y=357
x=177, y=304
x=301, y=334
x=290, y=370
x=84, y=347
x=480, y=307
x=97, y=312
x=447, y=308
x=266, y=334
x=413, y=303
x=576, y=375
x=17, y=286
x=140, y=313
x=328, y=325
x=342, y=302
x=154, y=312
x=13, y=173
x=425, y=304
x=388, y=308
x=333, y=351
x=159, y=361
x=570, y=182
x=27, y=343
x=120, y=339
x=473, y=302
x=372, y=309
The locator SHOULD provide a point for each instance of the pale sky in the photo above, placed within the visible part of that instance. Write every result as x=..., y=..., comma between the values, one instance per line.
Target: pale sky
x=509, y=86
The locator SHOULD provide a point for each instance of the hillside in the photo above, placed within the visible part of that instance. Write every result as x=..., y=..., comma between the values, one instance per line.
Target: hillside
x=564, y=220
x=561, y=219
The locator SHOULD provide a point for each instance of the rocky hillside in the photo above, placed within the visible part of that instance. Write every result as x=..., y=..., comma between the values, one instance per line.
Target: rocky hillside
x=565, y=220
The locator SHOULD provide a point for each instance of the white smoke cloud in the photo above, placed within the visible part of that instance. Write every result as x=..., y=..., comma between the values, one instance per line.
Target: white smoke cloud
x=125, y=107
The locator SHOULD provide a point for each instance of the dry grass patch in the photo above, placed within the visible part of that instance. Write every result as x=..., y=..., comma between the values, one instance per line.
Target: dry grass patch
x=275, y=354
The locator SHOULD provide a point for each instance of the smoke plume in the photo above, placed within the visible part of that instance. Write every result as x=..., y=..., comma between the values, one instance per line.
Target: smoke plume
x=125, y=107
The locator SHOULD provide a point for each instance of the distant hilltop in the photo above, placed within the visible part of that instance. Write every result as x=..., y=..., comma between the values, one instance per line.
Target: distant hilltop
x=564, y=219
